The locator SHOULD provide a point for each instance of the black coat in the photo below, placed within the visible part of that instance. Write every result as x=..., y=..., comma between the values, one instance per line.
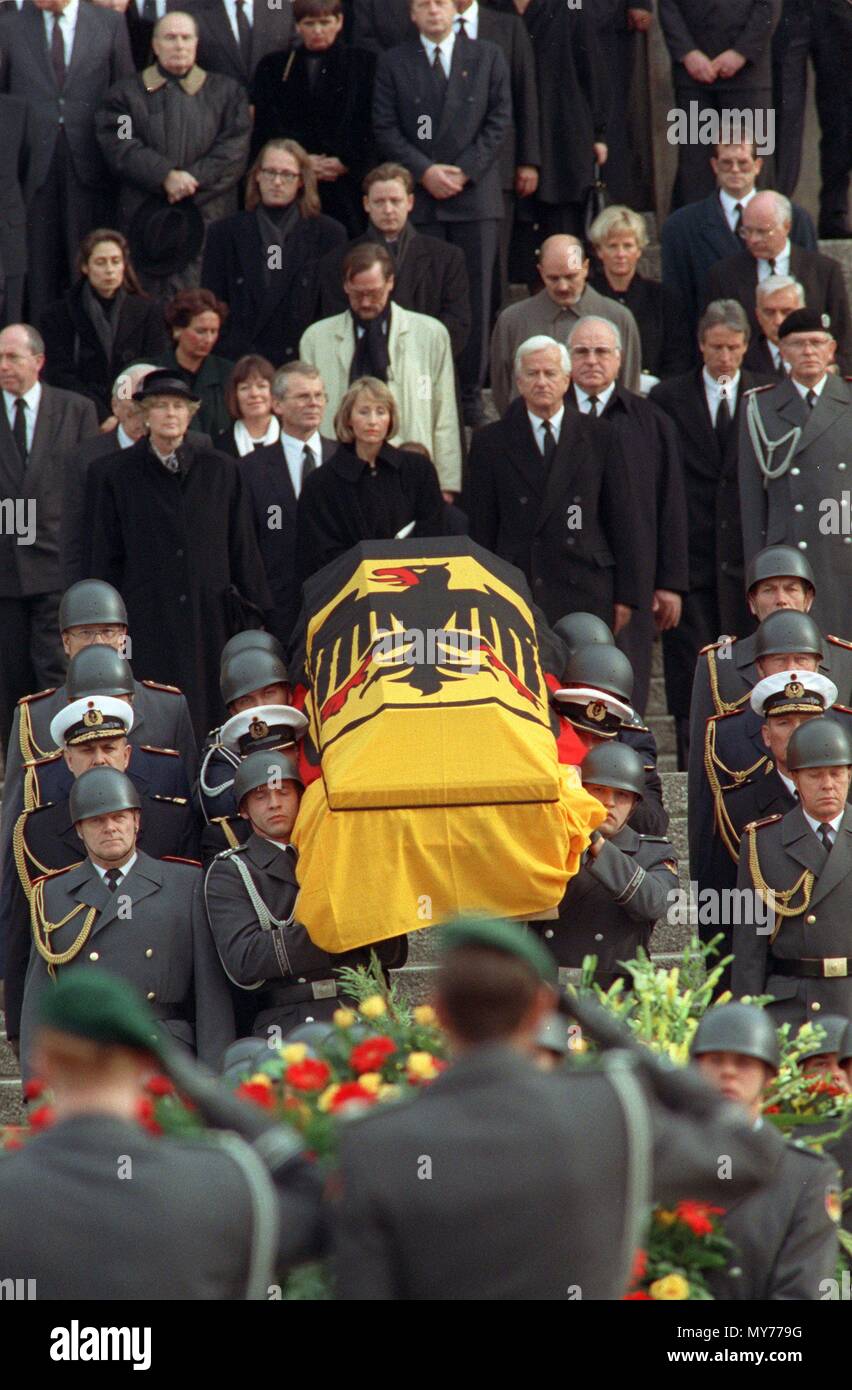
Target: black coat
x=266, y=319
x=342, y=504
x=759, y=359
x=522, y=144
x=209, y=384
x=14, y=160
x=519, y=512
x=267, y=481
x=272, y=27
x=75, y=355
x=381, y=24
x=432, y=279
x=573, y=95
x=821, y=277
x=176, y=546
x=666, y=346
x=744, y=25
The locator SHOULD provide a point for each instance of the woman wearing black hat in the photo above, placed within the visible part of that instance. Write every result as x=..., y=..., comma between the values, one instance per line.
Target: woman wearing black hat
x=172, y=532
x=102, y=324
x=195, y=319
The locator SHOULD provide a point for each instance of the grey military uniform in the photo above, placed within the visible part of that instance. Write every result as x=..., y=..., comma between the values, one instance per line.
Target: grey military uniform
x=261, y=946
x=805, y=968
x=785, y=1236
x=789, y=509
x=611, y=905
x=153, y=932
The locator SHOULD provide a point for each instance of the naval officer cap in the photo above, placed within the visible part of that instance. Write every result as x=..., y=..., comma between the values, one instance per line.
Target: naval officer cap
x=793, y=692
x=266, y=726
x=94, y=717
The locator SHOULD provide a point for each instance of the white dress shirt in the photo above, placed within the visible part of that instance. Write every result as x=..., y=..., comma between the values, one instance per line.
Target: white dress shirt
x=817, y=389
x=713, y=392
x=294, y=450
x=231, y=12
x=123, y=869
x=538, y=424
x=446, y=46
x=471, y=21
x=123, y=439
x=32, y=398
x=161, y=7
x=246, y=442
x=729, y=206
x=67, y=28
x=782, y=264
x=775, y=354
x=788, y=783
x=815, y=825
x=583, y=398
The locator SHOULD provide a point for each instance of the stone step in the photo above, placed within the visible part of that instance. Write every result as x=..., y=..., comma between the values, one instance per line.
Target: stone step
x=663, y=728
x=656, y=697
x=11, y=1103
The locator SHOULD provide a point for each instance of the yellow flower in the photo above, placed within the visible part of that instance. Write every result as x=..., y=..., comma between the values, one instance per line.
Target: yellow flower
x=387, y=1091
x=425, y=1014
x=327, y=1097
x=294, y=1052
x=373, y=1006
x=724, y=998
x=260, y=1079
x=672, y=1287
x=665, y=1218
x=422, y=1065
x=371, y=1081
x=343, y=1018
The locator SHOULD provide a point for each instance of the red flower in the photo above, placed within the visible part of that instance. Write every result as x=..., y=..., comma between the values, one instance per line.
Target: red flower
x=33, y=1089
x=159, y=1086
x=42, y=1118
x=310, y=1075
x=145, y=1115
x=628, y=1297
x=772, y=1110
x=351, y=1090
x=640, y=1265
x=371, y=1054
x=696, y=1215
x=825, y=1088
x=258, y=1095
x=13, y=1143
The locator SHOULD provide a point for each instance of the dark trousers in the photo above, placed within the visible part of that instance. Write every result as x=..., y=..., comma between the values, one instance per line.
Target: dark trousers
x=31, y=655
x=534, y=223
x=60, y=214
x=637, y=642
x=695, y=178
x=11, y=299
x=500, y=289
x=478, y=242
x=618, y=49
x=790, y=46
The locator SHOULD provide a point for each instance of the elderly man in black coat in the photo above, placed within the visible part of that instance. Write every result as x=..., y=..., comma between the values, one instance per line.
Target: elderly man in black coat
x=171, y=529
x=551, y=493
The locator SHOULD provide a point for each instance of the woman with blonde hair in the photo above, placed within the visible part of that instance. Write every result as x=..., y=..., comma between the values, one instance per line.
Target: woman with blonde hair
x=263, y=262
x=367, y=490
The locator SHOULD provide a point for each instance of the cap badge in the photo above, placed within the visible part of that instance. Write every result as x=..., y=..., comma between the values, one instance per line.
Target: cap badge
x=92, y=718
x=794, y=690
x=258, y=728
x=596, y=711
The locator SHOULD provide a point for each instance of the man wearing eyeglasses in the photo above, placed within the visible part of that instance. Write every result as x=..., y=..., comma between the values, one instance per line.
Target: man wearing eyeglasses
x=768, y=250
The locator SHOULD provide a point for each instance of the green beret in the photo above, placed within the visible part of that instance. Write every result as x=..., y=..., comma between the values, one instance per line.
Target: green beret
x=508, y=937
x=101, y=1007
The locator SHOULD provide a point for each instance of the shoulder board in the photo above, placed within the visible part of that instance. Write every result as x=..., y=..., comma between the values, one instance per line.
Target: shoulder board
x=28, y=699
x=55, y=873
x=758, y=824
x=753, y=390
x=838, y=642
x=158, y=685
x=48, y=758
x=179, y=859
x=655, y=839
x=175, y=800
x=226, y=853
x=714, y=646
x=149, y=748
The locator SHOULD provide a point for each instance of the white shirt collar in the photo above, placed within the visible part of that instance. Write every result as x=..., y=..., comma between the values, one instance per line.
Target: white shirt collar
x=583, y=398
x=246, y=443
x=32, y=398
x=729, y=205
x=815, y=824
x=555, y=423
x=294, y=454
x=714, y=389
x=446, y=46
x=69, y=22
x=817, y=390
x=123, y=439
x=788, y=783
x=471, y=21
x=123, y=869
x=279, y=844
x=782, y=264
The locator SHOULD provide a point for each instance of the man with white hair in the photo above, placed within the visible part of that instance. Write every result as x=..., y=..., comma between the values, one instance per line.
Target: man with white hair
x=768, y=250
x=565, y=298
x=651, y=449
x=551, y=493
x=775, y=298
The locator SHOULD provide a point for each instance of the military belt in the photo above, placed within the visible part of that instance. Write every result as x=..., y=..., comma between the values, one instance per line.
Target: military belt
x=300, y=994
x=823, y=968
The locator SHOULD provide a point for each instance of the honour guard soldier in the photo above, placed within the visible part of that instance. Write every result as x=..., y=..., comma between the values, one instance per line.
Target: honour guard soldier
x=92, y=733
x=250, y=894
x=138, y=917
x=578, y=630
x=785, y=1235
x=214, y=1216
x=795, y=450
x=800, y=865
x=594, y=703
x=824, y=1061
x=626, y=882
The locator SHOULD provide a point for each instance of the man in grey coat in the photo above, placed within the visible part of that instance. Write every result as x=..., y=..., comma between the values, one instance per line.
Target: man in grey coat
x=794, y=458
x=140, y=918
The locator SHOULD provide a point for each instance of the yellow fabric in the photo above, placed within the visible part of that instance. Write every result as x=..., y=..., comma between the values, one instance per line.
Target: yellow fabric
x=371, y=874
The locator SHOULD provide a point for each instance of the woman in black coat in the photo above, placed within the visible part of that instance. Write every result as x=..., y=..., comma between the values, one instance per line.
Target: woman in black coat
x=619, y=237
x=263, y=262
x=321, y=95
x=103, y=324
x=367, y=490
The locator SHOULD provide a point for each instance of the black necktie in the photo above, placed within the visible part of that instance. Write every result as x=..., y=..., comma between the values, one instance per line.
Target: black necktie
x=812, y=398
x=57, y=52
x=738, y=209
x=549, y=442
x=824, y=835
x=309, y=464
x=439, y=75
x=771, y=263
x=244, y=31
x=723, y=421
x=462, y=23
x=593, y=407
x=19, y=429
x=112, y=879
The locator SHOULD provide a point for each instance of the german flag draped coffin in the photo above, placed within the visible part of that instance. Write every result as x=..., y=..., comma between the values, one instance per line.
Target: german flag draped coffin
x=441, y=791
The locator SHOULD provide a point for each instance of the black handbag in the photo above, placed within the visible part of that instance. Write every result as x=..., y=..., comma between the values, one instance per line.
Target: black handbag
x=595, y=200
